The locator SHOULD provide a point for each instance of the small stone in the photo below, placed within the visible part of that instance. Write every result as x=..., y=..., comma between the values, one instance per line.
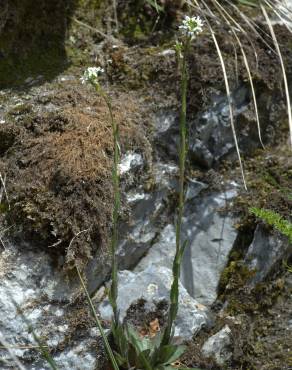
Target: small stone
x=265, y=252
x=131, y=161
x=219, y=346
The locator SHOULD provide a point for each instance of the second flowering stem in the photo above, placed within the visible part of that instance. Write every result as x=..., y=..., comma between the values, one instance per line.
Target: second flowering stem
x=113, y=294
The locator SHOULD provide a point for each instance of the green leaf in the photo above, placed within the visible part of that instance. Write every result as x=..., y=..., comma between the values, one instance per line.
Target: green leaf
x=170, y=353
x=181, y=252
x=154, y=4
x=120, y=359
x=120, y=339
x=141, y=344
x=163, y=367
x=144, y=360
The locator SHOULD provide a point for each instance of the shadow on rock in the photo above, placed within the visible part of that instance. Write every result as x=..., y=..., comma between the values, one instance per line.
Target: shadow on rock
x=32, y=40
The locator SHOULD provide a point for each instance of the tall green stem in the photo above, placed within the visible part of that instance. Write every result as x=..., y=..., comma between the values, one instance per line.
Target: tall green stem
x=116, y=188
x=174, y=292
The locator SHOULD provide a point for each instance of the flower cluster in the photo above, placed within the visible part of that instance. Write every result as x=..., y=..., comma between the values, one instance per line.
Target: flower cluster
x=191, y=26
x=91, y=75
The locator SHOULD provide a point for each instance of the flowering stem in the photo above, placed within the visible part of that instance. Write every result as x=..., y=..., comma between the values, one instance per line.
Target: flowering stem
x=113, y=294
x=180, y=247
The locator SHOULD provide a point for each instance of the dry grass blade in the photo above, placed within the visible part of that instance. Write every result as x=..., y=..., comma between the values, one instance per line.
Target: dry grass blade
x=224, y=14
x=252, y=87
x=116, y=15
x=252, y=25
x=229, y=102
x=12, y=355
x=98, y=323
x=280, y=16
x=3, y=181
x=269, y=23
x=228, y=93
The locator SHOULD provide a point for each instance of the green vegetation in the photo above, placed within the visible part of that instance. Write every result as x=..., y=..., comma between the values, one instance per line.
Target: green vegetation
x=132, y=351
x=274, y=219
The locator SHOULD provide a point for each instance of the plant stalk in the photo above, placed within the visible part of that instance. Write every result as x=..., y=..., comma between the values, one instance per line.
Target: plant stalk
x=98, y=323
x=174, y=292
x=113, y=295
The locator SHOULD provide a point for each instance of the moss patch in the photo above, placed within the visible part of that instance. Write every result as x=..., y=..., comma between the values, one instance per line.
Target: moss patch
x=59, y=169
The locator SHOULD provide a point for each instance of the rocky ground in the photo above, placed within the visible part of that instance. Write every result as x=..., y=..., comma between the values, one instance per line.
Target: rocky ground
x=56, y=194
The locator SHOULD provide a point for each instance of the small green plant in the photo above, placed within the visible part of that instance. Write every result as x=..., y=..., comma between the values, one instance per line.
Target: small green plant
x=274, y=219
x=130, y=350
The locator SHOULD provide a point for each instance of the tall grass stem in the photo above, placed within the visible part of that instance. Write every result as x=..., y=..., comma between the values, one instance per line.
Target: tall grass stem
x=98, y=323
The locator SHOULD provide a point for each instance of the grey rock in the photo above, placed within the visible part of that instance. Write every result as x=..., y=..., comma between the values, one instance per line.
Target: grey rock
x=211, y=236
x=136, y=235
x=130, y=161
x=219, y=346
x=76, y=357
x=141, y=229
x=165, y=175
x=29, y=281
x=265, y=252
x=162, y=252
x=164, y=122
x=153, y=285
x=210, y=135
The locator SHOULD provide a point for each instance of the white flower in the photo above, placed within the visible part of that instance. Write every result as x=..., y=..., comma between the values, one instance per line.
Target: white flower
x=91, y=75
x=191, y=26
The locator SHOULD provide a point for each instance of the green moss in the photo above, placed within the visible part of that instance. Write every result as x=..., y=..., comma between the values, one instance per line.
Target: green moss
x=14, y=71
x=140, y=20
x=274, y=219
x=20, y=110
x=235, y=276
x=4, y=207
